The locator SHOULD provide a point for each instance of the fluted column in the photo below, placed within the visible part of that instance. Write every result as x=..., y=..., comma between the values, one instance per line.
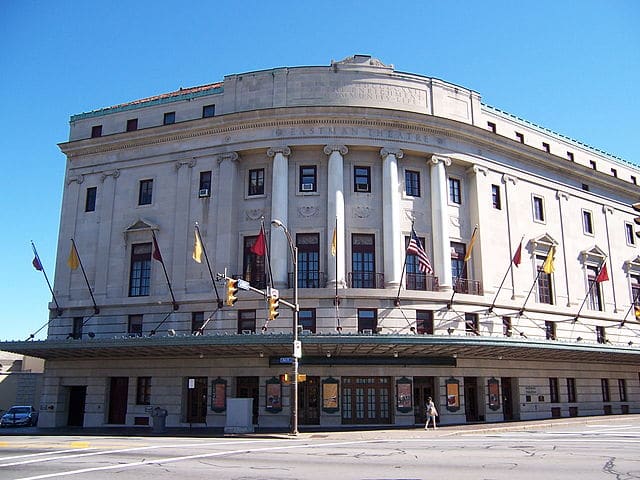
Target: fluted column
x=335, y=214
x=391, y=217
x=226, y=239
x=279, y=250
x=440, y=222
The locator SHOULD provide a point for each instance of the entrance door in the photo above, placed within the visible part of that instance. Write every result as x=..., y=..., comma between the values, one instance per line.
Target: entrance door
x=118, y=393
x=309, y=401
x=366, y=400
x=249, y=387
x=507, y=398
x=197, y=400
x=423, y=388
x=471, y=398
x=77, y=400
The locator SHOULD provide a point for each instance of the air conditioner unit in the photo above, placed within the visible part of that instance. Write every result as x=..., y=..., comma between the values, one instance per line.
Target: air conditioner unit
x=247, y=332
x=203, y=192
x=362, y=187
x=307, y=187
x=367, y=331
x=306, y=332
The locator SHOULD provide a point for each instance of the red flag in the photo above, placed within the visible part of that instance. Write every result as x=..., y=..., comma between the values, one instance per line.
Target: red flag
x=603, y=276
x=517, y=258
x=259, y=247
x=156, y=250
x=36, y=263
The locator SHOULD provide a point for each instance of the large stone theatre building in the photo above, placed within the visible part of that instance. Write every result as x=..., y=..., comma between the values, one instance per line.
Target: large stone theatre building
x=521, y=305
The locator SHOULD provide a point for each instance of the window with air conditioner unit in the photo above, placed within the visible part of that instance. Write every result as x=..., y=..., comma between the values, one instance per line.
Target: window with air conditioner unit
x=367, y=331
x=203, y=192
x=307, y=187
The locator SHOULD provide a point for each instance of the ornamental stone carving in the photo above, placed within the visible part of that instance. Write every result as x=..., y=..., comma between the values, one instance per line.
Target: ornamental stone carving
x=435, y=159
x=477, y=169
x=329, y=149
x=308, y=211
x=113, y=173
x=189, y=163
x=361, y=211
x=384, y=152
x=271, y=152
x=231, y=156
x=254, y=213
x=509, y=178
x=77, y=178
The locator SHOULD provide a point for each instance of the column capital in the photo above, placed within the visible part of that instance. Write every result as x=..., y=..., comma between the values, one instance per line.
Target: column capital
x=189, y=163
x=284, y=150
x=477, y=169
x=385, y=152
x=607, y=209
x=329, y=149
x=77, y=178
x=435, y=159
x=112, y=173
x=231, y=156
x=509, y=178
x=560, y=195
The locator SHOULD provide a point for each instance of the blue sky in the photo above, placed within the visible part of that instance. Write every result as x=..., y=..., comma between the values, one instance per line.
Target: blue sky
x=570, y=66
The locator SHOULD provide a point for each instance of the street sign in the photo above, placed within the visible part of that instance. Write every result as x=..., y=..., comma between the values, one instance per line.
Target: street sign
x=297, y=349
x=243, y=284
x=285, y=360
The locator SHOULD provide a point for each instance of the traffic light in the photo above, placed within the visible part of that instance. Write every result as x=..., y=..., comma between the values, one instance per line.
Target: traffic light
x=232, y=290
x=285, y=378
x=636, y=207
x=274, y=304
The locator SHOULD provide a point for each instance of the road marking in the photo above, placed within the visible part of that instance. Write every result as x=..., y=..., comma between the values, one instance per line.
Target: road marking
x=80, y=444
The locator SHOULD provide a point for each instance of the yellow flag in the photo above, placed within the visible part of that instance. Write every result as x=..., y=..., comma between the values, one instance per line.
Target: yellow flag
x=334, y=243
x=547, y=266
x=197, y=248
x=471, y=242
x=73, y=261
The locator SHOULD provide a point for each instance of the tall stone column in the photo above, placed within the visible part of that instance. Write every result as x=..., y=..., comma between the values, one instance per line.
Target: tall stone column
x=226, y=239
x=440, y=222
x=179, y=241
x=479, y=193
x=335, y=215
x=279, y=250
x=391, y=217
x=107, y=197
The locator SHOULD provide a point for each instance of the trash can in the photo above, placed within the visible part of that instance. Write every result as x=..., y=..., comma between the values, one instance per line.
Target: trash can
x=159, y=417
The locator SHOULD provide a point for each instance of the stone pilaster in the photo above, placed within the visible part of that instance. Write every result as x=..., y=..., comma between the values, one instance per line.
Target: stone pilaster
x=279, y=251
x=391, y=217
x=335, y=214
x=440, y=222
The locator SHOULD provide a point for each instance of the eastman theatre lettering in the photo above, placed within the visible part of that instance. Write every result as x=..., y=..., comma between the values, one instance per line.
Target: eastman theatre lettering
x=356, y=132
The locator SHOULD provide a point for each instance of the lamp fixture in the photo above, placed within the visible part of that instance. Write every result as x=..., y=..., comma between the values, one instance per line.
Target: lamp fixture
x=450, y=330
x=630, y=343
x=395, y=354
x=328, y=354
x=171, y=332
x=261, y=354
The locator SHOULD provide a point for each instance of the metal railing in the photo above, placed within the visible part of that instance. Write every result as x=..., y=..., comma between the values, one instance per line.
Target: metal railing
x=422, y=281
x=309, y=279
x=365, y=280
x=470, y=287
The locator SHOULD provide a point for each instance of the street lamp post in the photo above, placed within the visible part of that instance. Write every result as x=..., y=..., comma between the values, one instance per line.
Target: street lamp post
x=295, y=352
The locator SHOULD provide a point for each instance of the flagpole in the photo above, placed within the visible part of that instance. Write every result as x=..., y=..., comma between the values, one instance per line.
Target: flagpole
x=467, y=256
x=164, y=269
x=575, y=319
x=396, y=302
x=84, y=274
x=633, y=304
x=206, y=257
x=534, y=283
x=35, y=252
x=336, y=300
x=266, y=250
x=493, y=304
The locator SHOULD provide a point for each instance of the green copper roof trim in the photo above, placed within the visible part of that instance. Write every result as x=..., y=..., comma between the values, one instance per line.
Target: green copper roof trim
x=157, y=101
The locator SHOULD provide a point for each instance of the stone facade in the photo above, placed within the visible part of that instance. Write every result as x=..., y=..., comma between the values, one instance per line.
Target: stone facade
x=370, y=153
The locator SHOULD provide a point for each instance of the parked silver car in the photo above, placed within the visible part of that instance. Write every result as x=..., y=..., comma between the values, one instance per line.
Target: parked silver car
x=19, y=415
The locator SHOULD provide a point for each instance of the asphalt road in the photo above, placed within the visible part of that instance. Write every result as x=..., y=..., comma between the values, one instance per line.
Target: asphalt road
x=598, y=448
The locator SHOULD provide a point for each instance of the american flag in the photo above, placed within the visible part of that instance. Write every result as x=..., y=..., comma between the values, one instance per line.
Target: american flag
x=415, y=247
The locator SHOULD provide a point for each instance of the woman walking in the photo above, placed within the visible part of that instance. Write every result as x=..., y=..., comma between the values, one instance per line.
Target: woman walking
x=432, y=413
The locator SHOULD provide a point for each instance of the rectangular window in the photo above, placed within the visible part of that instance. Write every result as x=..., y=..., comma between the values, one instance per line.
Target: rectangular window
x=363, y=261
x=145, y=194
x=570, y=156
x=634, y=180
x=308, y=179
x=606, y=394
x=546, y=147
x=169, y=118
x=550, y=330
x=595, y=292
x=455, y=192
x=585, y=187
x=417, y=279
x=90, y=199
x=140, y=275
x=601, y=334
x=307, y=319
x=253, y=266
x=507, y=328
x=520, y=137
x=587, y=222
x=631, y=238
x=143, y=391
x=246, y=321
x=96, y=131
x=134, y=327
x=622, y=389
x=424, y=322
x=614, y=172
x=471, y=324
x=204, y=187
x=412, y=183
x=76, y=333
x=492, y=127
x=208, y=111
x=593, y=164
x=554, y=394
x=571, y=390
x=256, y=182
x=367, y=320
x=362, y=179
x=495, y=197
x=538, y=208
x=197, y=322
x=132, y=124
x=635, y=290
x=308, y=260
x=458, y=252
x=545, y=286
